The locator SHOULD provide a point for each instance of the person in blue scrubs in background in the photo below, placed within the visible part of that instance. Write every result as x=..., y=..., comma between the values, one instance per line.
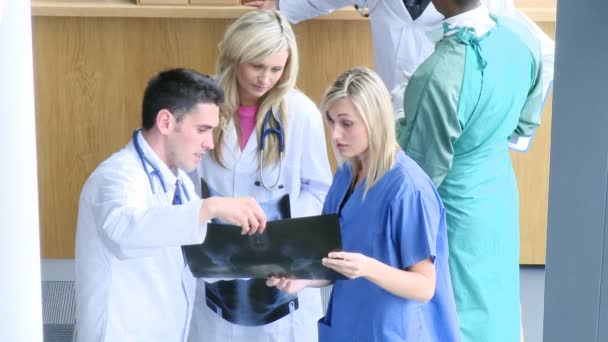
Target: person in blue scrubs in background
x=393, y=227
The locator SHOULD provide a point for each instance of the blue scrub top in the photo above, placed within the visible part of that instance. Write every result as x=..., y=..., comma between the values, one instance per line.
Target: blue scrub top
x=400, y=222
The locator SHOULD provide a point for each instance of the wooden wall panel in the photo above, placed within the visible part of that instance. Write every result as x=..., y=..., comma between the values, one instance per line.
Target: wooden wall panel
x=91, y=72
x=90, y=75
x=322, y=60
x=532, y=170
x=80, y=101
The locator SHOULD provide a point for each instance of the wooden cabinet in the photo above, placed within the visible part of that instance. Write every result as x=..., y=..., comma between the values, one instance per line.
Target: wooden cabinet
x=216, y=2
x=162, y=2
x=190, y=2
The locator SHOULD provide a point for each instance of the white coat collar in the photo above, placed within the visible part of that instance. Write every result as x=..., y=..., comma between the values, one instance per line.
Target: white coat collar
x=428, y=17
x=231, y=144
x=477, y=19
x=166, y=173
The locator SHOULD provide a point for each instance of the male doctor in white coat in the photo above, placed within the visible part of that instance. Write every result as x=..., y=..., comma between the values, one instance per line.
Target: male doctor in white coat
x=402, y=33
x=136, y=210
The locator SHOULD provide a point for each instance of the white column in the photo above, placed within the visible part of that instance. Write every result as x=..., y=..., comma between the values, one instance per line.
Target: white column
x=20, y=295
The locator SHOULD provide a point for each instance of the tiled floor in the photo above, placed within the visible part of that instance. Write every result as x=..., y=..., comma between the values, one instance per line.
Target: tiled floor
x=57, y=269
x=532, y=280
x=532, y=292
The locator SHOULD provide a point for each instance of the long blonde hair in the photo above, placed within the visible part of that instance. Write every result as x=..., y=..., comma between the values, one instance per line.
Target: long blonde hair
x=253, y=37
x=372, y=101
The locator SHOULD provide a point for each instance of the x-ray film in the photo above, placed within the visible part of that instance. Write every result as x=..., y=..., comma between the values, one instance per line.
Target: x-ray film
x=290, y=247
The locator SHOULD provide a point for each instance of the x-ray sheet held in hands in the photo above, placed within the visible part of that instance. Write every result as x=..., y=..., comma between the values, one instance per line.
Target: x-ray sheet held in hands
x=289, y=248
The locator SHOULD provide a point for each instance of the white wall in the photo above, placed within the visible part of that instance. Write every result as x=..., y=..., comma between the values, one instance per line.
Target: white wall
x=20, y=295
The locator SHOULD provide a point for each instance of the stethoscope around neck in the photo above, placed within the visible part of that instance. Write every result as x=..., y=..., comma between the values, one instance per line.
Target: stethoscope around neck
x=155, y=172
x=278, y=131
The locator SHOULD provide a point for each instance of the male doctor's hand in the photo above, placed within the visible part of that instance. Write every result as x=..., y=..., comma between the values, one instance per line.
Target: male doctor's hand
x=286, y=284
x=351, y=265
x=243, y=211
x=261, y=4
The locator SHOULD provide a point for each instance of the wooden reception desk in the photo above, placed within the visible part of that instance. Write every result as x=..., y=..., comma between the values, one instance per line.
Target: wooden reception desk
x=92, y=60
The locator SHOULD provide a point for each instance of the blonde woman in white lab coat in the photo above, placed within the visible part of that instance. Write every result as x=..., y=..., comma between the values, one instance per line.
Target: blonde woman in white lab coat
x=257, y=70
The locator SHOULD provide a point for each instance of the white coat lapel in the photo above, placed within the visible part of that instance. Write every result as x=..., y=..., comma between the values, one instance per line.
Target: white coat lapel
x=395, y=6
x=430, y=17
x=251, y=147
x=233, y=156
x=231, y=150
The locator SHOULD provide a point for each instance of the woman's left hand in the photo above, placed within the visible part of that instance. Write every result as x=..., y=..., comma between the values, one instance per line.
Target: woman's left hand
x=288, y=285
x=351, y=265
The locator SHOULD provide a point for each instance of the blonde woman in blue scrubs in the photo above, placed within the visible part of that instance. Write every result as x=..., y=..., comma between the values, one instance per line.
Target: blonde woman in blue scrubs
x=393, y=227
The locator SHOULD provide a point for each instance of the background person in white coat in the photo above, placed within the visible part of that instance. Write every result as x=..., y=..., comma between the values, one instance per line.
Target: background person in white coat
x=257, y=69
x=400, y=30
x=132, y=283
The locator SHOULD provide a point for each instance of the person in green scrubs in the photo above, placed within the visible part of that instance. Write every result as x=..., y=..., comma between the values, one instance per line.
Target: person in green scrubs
x=480, y=87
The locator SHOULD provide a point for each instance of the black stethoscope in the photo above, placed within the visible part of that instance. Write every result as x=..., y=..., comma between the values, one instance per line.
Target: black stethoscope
x=364, y=9
x=278, y=131
x=155, y=170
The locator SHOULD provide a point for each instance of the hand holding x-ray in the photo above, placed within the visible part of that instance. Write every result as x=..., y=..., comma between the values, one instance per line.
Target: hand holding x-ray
x=244, y=212
x=287, y=248
x=290, y=285
x=351, y=265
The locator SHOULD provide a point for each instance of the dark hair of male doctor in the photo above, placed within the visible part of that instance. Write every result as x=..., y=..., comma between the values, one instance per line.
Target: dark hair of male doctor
x=179, y=112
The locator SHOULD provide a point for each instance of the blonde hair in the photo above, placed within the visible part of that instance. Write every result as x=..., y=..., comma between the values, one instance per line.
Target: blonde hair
x=253, y=37
x=372, y=101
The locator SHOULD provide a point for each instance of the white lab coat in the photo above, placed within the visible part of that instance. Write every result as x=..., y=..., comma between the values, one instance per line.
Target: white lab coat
x=131, y=280
x=306, y=177
x=401, y=44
